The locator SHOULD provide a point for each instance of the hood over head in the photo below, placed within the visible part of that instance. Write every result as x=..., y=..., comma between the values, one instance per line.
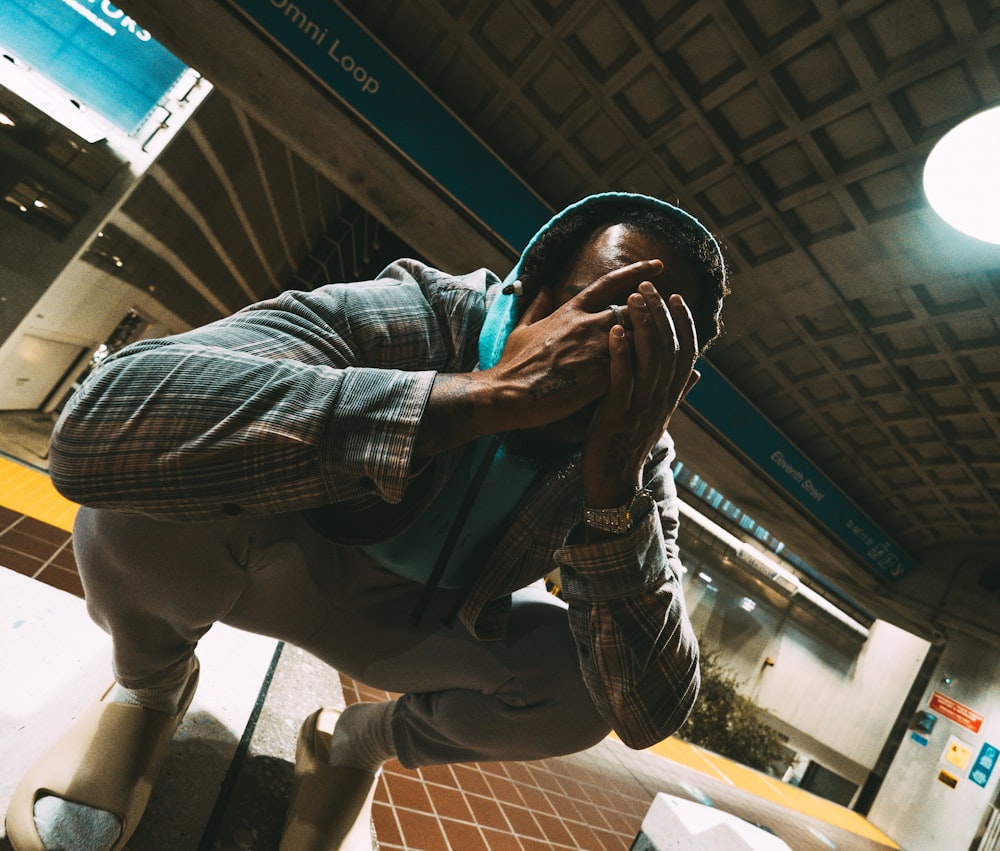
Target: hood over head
x=506, y=308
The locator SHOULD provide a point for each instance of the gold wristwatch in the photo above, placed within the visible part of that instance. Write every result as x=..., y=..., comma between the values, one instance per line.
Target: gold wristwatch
x=617, y=520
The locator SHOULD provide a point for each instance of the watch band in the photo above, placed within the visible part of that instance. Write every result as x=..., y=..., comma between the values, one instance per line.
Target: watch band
x=618, y=520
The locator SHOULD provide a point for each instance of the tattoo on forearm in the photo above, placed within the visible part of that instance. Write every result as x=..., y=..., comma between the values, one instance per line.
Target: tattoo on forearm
x=616, y=455
x=557, y=381
x=446, y=421
x=459, y=403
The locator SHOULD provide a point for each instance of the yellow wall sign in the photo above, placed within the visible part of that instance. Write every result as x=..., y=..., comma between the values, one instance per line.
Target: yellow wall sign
x=958, y=753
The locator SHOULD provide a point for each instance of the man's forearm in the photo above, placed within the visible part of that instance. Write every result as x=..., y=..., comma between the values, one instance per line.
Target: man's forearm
x=462, y=407
x=638, y=653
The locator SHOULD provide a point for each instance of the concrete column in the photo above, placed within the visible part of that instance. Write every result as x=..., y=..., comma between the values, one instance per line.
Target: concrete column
x=931, y=798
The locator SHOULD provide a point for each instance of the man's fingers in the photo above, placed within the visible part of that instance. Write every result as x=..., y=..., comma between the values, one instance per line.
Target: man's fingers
x=615, y=286
x=687, y=345
x=652, y=347
x=656, y=345
x=620, y=387
x=687, y=336
x=659, y=317
x=615, y=405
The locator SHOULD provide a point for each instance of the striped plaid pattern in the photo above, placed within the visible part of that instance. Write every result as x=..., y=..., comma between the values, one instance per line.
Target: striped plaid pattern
x=300, y=401
x=312, y=402
x=637, y=649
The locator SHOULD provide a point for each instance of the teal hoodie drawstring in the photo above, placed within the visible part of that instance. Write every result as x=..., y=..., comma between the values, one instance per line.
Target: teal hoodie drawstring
x=448, y=547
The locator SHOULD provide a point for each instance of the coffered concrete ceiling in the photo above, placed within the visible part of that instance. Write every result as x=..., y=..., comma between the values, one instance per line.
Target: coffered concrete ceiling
x=860, y=324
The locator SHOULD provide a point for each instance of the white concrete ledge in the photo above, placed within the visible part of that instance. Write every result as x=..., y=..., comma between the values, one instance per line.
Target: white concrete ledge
x=55, y=661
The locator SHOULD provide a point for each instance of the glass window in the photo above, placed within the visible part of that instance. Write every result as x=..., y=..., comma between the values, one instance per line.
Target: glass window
x=40, y=207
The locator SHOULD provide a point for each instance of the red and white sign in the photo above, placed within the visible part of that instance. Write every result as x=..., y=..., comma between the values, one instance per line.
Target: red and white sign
x=957, y=712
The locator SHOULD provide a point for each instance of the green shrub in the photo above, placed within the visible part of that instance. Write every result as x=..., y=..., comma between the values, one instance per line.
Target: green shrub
x=728, y=723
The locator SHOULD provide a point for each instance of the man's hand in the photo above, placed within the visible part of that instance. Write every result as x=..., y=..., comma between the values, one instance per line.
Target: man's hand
x=556, y=360
x=554, y=364
x=651, y=369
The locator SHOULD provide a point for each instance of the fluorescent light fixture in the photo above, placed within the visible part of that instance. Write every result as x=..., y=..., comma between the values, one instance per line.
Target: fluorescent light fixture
x=704, y=577
x=962, y=176
x=747, y=604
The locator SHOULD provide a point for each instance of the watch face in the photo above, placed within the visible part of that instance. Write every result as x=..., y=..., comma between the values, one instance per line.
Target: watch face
x=616, y=520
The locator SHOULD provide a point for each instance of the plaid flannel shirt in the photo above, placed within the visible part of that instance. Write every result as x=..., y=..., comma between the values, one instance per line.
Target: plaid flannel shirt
x=312, y=402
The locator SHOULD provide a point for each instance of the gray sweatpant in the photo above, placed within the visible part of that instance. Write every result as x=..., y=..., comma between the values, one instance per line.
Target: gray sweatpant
x=157, y=587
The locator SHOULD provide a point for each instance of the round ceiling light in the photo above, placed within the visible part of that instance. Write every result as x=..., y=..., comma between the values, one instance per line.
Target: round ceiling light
x=962, y=176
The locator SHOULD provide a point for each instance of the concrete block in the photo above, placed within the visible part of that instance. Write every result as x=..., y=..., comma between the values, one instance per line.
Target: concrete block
x=674, y=824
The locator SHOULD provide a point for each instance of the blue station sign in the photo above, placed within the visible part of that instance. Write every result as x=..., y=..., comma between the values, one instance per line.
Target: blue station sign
x=736, y=420
x=328, y=43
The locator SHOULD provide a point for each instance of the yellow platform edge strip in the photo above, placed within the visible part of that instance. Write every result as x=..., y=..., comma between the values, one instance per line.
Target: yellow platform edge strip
x=30, y=492
x=768, y=788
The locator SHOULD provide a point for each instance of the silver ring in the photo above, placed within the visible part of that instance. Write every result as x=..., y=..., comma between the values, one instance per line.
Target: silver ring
x=618, y=311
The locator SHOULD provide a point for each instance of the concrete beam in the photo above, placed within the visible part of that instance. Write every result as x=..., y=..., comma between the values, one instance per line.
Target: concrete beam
x=249, y=69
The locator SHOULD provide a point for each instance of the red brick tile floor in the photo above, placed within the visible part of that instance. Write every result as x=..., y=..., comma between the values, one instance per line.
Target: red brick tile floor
x=584, y=801
x=37, y=549
x=589, y=801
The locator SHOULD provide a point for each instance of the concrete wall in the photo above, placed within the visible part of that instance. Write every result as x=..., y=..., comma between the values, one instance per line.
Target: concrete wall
x=54, y=308
x=76, y=313
x=837, y=707
x=31, y=258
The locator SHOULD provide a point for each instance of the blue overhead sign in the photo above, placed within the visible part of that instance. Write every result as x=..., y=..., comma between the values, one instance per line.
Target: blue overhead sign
x=322, y=38
x=327, y=42
x=735, y=418
x=94, y=51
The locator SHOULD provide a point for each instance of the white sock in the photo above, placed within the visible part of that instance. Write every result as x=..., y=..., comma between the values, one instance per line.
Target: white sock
x=68, y=826
x=164, y=697
x=363, y=737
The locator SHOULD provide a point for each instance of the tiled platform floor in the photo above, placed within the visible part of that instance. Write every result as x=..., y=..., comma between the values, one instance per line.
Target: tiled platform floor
x=39, y=550
x=584, y=801
x=592, y=800
x=589, y=801
x=55, y=662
